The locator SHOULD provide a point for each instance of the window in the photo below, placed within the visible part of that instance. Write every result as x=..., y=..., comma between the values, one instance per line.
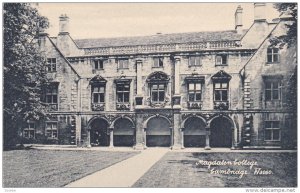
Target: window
x=123, y=63
x=194, y=91
x=221, y=60
x=221, y=91
x=272, y=55
x=123, y=92
x=99, y=64
x=194, y=61
x=51, y=129
x=272, y=130
x=158, y=92
x=158, y=62
x=98, y=92
x=272, y=90
x=51, y=64
x=51, y=95
x=29, y=131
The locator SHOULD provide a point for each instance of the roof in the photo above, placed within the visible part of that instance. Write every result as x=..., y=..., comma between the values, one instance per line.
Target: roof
x=160, y=39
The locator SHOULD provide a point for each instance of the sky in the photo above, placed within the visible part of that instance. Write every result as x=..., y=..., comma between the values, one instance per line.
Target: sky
x=101, y=20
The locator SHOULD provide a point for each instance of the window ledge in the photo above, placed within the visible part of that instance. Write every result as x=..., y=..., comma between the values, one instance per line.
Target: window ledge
x=272, y=62
x=221, y=65
x=157, y=67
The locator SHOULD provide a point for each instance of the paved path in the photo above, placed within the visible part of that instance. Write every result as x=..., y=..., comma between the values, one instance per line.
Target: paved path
x=125, y=173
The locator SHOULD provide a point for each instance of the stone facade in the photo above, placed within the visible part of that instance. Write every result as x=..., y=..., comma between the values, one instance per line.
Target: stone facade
x=172, y=100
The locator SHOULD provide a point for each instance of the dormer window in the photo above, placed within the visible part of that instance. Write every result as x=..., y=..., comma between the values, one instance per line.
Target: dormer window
x=158, y=62
x=221, y=60
x=272, y=55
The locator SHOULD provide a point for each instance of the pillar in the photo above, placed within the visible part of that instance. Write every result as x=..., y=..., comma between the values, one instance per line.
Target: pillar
x=182, y=137
x=177, y=133
x=139, y=83
x=111, y=137
x=88, y=138
x=176, y=97
x=207, y=145
x=139, y=137
x=176, y=75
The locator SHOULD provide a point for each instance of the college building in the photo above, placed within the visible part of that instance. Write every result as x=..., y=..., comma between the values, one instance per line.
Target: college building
x=200, y=89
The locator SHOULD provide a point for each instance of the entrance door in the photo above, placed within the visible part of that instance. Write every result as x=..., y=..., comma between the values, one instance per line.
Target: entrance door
x=194, y=132
x=158, y=133
x=99, y=133
x=124, y=134
x=221, y=132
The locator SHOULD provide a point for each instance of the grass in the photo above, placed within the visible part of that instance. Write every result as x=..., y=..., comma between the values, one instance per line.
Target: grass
x=180, y=170
x=50, y=168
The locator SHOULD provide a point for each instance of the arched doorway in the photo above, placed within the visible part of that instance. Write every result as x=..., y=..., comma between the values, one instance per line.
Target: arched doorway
x=124, y=134
x=194, y=132
x=221, y=132
x=158, y=133
x=99, y=132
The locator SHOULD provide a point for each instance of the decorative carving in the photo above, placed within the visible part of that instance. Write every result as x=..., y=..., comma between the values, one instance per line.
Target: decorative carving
x=194, y=105
x=98, y=79
x=221, y=76
x=162, y=48
x=221, y=105
x=98, y=106
x=158, y=77
x=123, y=106
x=53, y=107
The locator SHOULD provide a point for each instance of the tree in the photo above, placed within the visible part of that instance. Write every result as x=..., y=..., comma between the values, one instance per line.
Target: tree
x=24, y=68
x=290, y=37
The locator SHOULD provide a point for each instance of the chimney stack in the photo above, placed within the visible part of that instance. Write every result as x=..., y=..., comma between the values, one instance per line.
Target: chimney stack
x=259, y=12
x=63, y=24
x=238, y=20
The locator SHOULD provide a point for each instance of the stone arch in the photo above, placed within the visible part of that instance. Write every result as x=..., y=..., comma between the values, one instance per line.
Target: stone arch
x=157, y=115
x=197, y=116
x=97, y=117
x=194, y=131
x=99, y=131
x=158, y=131
x=221, y=131
x=112, y=125
x=123, y=132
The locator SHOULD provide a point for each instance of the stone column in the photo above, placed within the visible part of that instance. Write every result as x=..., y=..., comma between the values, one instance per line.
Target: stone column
x=176, y=75
x=176, y=97
x=111, y=137
x=88, y=137
x=139, y=82
x=207, y=146
x=139, y=137
x=177, y=136
x=182, y=138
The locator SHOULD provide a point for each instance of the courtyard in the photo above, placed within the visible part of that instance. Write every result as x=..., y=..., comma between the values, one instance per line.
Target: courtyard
x=187, y=168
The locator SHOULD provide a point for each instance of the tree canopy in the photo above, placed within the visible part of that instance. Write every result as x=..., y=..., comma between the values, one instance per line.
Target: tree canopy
x=24, y=67
x=291, y=36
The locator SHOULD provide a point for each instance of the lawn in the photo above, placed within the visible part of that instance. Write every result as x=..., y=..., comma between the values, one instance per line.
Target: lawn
x=50, y=168
x=180, y=170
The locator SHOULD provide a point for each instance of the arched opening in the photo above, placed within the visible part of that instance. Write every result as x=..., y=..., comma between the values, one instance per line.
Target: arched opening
x=221, y=132
x=124, y=134
x=158, y=132
x=194, y=132
x=99, y=132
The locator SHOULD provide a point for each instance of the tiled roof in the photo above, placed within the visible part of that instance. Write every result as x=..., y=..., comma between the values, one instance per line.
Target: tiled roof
x=160, y=39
